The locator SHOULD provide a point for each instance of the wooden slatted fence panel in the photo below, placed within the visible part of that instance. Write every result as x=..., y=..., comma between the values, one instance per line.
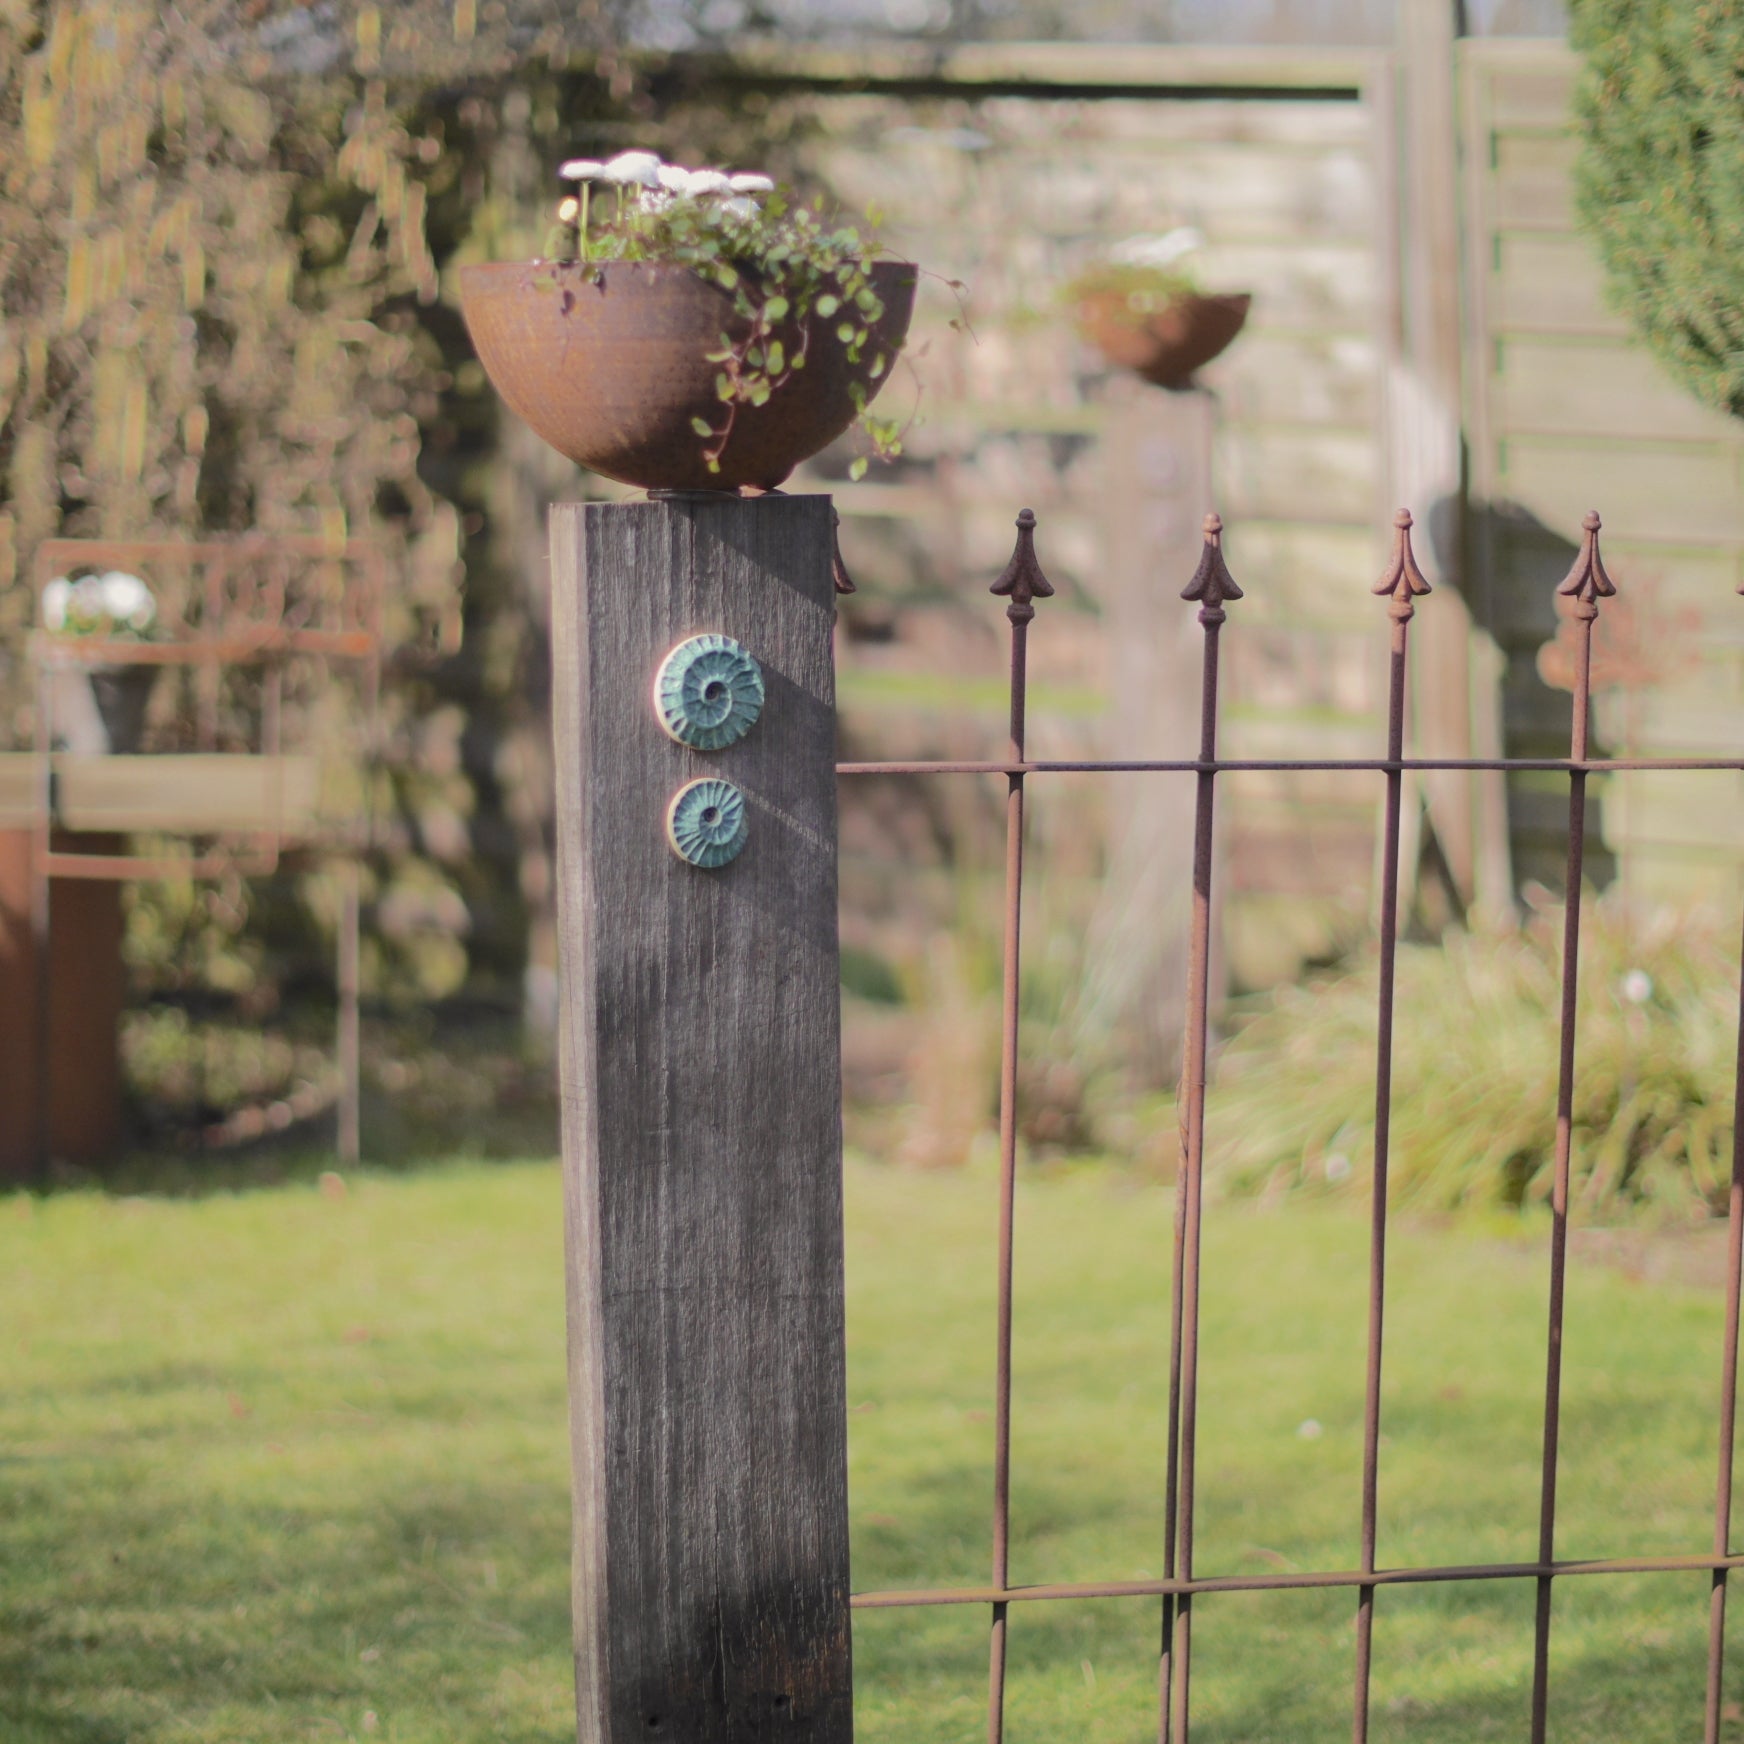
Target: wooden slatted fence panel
x=1566, y=412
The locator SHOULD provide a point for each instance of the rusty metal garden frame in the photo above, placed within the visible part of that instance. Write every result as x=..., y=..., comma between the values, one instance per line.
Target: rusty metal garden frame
x=246, y=613
x=1401, y=585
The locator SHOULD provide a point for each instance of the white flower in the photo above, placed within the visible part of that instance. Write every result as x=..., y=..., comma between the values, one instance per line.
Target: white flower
x=751, y=184
x=1636, y=986
x=738, y=207
x=686, y=184
x=1157, y=251
x=568, y=210
x=56, y=597
x=1310, y=1430
x=639, y=167
x=87, y=601
x=127, y=599
x=580, y=169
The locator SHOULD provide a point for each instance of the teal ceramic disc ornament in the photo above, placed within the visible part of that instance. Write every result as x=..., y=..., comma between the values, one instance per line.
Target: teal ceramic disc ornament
x=708, y=692
x=706, y=822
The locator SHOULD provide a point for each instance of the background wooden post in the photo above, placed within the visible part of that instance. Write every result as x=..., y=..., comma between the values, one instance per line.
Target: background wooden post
x=702, y=1137
x=348, y=1041
x=1456, y=699
x=63, y=1101
x=1158, y=448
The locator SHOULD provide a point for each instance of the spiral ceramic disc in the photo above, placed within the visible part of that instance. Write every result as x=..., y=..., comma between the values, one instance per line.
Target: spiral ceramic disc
x=706, y=823
x=708, y=692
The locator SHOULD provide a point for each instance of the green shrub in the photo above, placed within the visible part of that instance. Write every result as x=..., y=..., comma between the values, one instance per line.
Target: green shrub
x=1660, y=179
x=1475, y=1057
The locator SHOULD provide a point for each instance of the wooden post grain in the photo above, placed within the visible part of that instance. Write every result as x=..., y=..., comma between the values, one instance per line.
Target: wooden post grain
x=702, y=1138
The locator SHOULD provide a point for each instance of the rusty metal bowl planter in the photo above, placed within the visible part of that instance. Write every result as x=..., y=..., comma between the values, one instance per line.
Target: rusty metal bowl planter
x=610, y=364
x=1164, y=346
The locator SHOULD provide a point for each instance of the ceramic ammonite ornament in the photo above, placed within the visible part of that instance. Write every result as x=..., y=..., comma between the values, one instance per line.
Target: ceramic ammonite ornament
x=708, y=692
x=706, y=822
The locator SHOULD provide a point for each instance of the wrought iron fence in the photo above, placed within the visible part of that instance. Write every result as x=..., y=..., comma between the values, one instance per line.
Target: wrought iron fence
x=1401, y=584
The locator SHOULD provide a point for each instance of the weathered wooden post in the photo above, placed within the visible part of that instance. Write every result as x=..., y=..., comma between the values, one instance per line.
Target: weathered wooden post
x=702, y=1117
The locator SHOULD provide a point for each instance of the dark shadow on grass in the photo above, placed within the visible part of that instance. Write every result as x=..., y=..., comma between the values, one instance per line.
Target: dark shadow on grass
x=163, y=1611
x=459, y=1081
x=41, y=1725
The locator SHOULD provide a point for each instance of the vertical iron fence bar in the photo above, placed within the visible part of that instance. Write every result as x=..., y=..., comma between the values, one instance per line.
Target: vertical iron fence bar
x=1728, y=1397
x=1211, y=585
x=1402, y=583
x=1728, y=1402
x=1171, y=1487
x=1022, y=582
x=1586, y=584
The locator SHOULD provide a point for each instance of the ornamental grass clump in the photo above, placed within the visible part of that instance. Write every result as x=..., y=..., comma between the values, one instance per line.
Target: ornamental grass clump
x=1475, y=1068
x=784, y=267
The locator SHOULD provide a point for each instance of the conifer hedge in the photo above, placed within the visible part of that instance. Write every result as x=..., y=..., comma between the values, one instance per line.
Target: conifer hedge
x=1660, y=178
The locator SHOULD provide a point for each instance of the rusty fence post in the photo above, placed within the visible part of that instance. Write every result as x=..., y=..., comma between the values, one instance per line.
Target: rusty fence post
x=701, y=1074
x=1585, y=585
x=1212, y=587
x=1402, y=584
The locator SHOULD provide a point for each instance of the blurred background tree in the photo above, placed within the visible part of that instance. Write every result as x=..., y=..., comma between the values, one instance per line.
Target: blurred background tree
x=222, y=228
x=224, y=233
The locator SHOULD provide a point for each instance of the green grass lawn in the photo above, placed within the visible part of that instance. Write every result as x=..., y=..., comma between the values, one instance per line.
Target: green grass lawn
x=284, y=1466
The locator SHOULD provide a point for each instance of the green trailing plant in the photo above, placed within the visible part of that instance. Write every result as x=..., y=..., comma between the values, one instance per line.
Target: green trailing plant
x=785, y=267
x=1475, y=1072
x=1659, y=182
x=1142, y=291
x=1138, y=278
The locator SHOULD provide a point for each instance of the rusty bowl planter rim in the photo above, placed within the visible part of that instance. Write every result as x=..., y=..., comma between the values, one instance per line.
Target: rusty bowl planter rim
x=1167, y=345
x=608, y=361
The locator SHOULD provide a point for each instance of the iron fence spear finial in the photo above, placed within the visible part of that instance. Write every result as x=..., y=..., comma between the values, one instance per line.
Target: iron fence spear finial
x=1586, y=582
x=1022, y=581
x=1402, y=578
x=1212, y=583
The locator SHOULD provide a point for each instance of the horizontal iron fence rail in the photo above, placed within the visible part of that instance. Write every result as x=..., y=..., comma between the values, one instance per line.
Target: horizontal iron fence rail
x=1230, y=765
x=1279, y=1583
x=1401, y=584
